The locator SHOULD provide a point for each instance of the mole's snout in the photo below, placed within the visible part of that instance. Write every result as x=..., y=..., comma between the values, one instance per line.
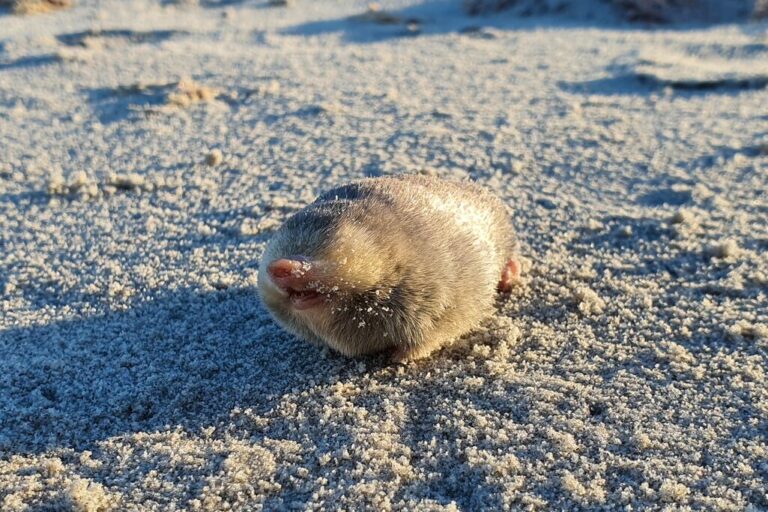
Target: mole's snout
x=293, y=273
x=285, y=267
x=298, y=277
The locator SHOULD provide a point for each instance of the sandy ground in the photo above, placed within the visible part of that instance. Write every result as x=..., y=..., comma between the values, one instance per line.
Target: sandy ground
x=138, y=370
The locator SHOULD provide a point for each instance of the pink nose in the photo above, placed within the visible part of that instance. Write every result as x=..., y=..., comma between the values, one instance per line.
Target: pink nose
x=292, y=274
x=283, y=267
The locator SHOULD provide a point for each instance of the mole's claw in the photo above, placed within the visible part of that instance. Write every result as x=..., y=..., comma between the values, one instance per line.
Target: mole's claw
x=510, y=274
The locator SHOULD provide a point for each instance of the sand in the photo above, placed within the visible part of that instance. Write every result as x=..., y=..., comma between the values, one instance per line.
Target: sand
x=138, y=370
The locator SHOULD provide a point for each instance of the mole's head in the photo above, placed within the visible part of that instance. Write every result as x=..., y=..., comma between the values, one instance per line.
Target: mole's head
x=316, y=276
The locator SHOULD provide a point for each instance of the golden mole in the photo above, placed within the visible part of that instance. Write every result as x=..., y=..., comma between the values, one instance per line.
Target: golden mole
x=405, y=264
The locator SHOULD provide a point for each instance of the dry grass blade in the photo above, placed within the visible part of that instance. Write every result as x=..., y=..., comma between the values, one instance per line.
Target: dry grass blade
x=375, y=14
x=25, y=7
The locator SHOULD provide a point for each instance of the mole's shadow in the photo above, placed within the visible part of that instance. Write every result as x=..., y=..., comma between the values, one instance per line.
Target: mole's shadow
x=185, y=359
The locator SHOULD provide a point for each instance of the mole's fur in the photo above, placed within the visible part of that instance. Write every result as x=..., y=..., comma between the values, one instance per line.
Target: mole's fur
x=405, y=263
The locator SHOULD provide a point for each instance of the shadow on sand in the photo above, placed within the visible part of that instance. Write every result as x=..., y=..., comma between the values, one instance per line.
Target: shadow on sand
x=185, y=358
x=432, y=17
x=33, y=61
x=408, y=22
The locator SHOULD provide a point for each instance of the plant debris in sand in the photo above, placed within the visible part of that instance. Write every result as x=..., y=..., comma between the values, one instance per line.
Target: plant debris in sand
x=374, y=13
x=188, y=92
x=25, y=7
x=640, y=11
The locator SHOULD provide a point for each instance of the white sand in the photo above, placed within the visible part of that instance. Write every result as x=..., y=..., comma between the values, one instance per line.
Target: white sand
x=138, y=370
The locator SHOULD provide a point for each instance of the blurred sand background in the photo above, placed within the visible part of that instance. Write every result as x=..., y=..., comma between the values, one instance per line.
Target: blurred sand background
x=149, y=148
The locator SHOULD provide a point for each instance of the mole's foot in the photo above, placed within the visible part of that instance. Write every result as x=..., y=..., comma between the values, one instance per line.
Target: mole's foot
x=510, y=275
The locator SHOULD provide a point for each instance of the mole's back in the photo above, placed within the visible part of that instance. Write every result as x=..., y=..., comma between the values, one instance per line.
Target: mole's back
x=446, y=213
